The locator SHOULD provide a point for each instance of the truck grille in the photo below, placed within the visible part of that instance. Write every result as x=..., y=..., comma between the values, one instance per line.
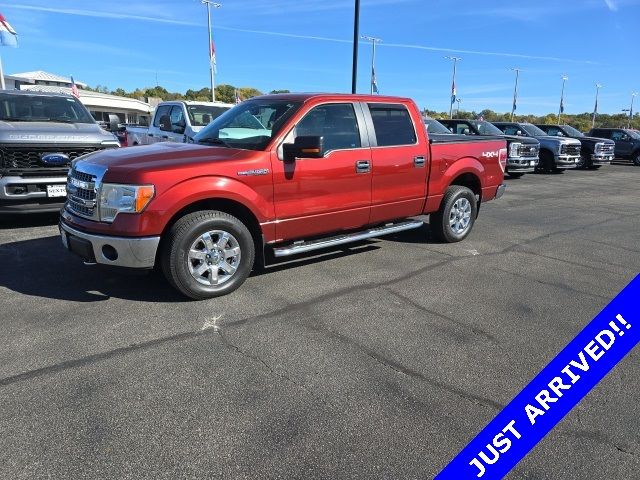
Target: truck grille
x=570, y=149
x=530, y=151
x=81, y=194
x=20, y=157
x=605, y=148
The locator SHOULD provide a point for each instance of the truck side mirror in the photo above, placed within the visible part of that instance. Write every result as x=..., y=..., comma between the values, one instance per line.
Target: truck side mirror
x=165, y=123
x=303, y=147
x=114, y=123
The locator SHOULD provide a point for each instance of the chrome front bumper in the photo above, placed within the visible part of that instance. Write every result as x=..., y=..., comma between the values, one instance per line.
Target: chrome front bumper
x=523, y=165
x=129, y=252
x=601, y=159
x=567, y=161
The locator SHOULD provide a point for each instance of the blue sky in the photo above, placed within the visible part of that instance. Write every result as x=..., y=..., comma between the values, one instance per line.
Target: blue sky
x=306, y=46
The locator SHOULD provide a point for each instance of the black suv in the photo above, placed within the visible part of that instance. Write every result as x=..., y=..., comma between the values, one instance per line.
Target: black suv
x=523, y=151
x=594, y=152
x=627, y=142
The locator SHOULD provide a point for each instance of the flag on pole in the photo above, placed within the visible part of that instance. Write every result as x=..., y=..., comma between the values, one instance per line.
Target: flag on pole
x=374, y=80
x=595, y=109
x=8, y=36
x=562, y=105
x=74, y=88
x=515, y=103
x=453, y=92
x=212, y=56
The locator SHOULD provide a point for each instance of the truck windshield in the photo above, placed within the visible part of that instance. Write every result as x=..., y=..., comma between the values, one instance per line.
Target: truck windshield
x=202, y=115
x=572, y=132
x=532, y=130
x=486, y=128
x=249, y=125
x=434, y=126
x=41, y=108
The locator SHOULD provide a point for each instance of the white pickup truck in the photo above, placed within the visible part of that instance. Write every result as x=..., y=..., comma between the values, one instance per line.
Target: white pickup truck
x=176, y=121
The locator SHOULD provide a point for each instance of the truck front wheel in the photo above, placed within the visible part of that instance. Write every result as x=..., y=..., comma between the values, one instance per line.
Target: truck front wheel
x=454, y=220
x=207, y=254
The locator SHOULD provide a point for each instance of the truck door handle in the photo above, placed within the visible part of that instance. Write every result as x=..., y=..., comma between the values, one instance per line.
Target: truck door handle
x=418, y=162
x=150, y=134
x=363, y=166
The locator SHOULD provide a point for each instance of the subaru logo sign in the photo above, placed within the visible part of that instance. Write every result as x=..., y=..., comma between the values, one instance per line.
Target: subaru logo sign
x=54, y=159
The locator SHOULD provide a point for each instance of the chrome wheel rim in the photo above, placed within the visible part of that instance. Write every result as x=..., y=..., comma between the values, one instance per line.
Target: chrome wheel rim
x=214, y=258
x=460, y=216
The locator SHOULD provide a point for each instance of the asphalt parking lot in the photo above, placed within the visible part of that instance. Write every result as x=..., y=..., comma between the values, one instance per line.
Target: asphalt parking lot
x=377, y=361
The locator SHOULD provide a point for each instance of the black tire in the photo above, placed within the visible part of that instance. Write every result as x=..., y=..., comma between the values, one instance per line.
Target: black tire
x=175, y=258
x=636, y=159
x=547, y=163
x=583, y=163
x=515, y=174
x=440, y=221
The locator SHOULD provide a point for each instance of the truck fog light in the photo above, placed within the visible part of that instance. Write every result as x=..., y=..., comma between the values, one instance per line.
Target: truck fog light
x=109, y=253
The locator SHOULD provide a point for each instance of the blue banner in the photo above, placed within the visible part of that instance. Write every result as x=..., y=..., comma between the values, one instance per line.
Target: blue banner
x=553, y=392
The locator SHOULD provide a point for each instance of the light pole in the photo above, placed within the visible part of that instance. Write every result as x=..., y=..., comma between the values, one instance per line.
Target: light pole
x=561, y=109
x=453, y=83
x=354, y=66
x=633, y=96
x=515, y=92
x=459, y=100
x=212, y=52
x=595, y=109
x=374, y=41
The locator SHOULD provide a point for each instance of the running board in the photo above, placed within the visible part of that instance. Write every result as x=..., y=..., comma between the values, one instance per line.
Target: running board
x=303, y=247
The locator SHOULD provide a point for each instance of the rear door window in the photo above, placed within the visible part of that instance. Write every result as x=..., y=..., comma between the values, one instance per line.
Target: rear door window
x=392, y=124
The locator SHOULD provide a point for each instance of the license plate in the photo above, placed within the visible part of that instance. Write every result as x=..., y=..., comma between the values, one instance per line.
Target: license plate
x=56, y=190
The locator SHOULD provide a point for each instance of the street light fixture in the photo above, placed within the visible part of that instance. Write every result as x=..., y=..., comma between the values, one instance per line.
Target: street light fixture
x=633, y=96
x=561, y=109
x=212, y=52
x=459, y=101
x=595, y=109
x=455, y=61
x=515, y=92
x=374, y=41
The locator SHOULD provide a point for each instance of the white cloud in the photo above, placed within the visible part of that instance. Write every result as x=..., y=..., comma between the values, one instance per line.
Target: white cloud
x=611, y=5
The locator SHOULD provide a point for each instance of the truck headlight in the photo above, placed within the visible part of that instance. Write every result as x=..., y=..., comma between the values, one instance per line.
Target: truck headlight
x=115, y=199
x=514, y=150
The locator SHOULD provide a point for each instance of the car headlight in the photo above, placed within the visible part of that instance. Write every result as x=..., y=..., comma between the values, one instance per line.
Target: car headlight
x=115, y=199
x=514, y=149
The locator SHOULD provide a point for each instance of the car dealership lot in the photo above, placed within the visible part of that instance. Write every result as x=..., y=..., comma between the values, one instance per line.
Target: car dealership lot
x=381, y=360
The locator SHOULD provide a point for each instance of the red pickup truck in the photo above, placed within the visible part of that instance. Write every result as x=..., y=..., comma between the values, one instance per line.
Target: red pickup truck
x=276, y=175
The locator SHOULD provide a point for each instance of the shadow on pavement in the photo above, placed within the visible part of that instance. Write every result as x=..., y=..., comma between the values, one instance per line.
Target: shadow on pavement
x=41, y=267
x=8, y=222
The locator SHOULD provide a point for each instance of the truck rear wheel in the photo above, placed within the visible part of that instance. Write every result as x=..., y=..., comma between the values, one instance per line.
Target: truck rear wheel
x=454, y=220
x=636, y=159
x=207, y=254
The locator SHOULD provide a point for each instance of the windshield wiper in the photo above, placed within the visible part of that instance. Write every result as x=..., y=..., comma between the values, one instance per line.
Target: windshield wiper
x=214, y=141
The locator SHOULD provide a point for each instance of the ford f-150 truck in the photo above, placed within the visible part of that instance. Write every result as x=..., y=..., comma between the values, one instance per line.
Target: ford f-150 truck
x=627, y=142
x=595, y=151
x=555, y=153
x=177, y=121
x=330, y=169
x=40, y=134
x=523, y=152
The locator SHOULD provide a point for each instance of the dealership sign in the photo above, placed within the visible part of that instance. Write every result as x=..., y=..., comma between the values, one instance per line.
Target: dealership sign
x=553, y=392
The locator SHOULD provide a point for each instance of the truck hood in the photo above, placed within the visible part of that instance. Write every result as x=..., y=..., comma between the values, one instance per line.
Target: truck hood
x=548, y=139
x=521, y=139
x=595, y=140
x=52, y=133
x=162, y=156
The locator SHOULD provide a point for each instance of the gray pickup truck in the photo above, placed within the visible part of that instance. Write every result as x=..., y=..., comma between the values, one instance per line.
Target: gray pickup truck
x=555, y=153
x=40, y=135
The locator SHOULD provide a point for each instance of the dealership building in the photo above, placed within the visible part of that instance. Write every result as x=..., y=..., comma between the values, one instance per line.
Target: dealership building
x=101, y=105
